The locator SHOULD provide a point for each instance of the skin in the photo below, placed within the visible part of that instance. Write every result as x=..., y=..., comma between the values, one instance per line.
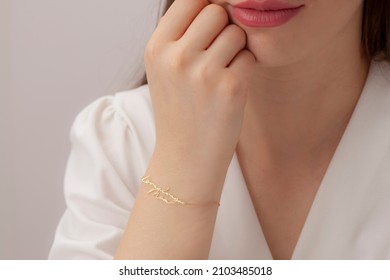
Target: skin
x=281, y=97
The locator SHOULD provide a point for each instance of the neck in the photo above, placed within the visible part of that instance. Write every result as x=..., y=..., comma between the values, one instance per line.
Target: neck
x=298, y=112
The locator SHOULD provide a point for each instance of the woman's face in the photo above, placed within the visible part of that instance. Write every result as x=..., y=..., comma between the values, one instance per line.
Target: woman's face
x=320, y=26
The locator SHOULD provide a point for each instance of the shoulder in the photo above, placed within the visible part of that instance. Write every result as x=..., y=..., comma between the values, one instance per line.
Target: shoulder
x=117, y=133
x=135, y=107
x=130, y=110
x=112, y=142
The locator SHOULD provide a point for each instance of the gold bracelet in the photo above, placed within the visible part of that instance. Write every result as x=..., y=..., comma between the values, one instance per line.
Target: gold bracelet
x=164, y=195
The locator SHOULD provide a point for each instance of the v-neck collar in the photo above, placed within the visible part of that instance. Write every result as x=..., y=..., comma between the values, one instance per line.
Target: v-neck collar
x=334, y=222
x=330, y=226
x=237, y=234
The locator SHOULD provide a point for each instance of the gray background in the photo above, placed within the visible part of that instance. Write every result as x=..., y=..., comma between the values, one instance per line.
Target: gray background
x=55, y=58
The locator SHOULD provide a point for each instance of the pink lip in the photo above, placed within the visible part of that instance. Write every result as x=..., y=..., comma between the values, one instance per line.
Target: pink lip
x=269, y=13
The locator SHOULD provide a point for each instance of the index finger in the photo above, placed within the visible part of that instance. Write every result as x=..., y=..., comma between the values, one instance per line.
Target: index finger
x=178, y=18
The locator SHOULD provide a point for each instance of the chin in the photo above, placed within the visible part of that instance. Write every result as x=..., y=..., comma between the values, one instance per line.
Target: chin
x=270, y=52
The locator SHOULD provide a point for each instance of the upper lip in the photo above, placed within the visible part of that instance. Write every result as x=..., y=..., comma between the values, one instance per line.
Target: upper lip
x=267, y=5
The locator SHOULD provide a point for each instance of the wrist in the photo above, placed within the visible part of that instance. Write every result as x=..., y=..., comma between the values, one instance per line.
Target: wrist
x=195, y=183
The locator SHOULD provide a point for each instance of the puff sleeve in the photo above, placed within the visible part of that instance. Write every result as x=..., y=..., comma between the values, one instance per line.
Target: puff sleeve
x=101, y=181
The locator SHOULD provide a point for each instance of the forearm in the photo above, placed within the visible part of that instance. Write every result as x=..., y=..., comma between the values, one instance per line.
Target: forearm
x=198, y=74
x=157, y=230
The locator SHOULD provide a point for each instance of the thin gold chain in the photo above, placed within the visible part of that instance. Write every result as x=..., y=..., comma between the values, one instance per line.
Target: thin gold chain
x=164, y=195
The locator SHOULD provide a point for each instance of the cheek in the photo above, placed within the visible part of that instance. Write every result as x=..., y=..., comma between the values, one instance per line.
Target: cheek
x=319, y=26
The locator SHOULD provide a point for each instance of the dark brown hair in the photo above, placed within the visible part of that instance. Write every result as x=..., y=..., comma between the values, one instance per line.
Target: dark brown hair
x=376, y=29
x=169, y=3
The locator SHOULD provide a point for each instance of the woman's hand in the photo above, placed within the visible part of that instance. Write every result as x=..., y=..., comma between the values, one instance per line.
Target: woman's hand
x=198, y=71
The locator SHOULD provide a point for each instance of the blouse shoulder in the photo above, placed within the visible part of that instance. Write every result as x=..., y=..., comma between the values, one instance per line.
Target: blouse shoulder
x=130, y=109
x=112, y=140
x=121, y=127
x=135, y=104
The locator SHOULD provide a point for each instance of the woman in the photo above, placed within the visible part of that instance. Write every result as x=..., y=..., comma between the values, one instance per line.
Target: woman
x=271, y=139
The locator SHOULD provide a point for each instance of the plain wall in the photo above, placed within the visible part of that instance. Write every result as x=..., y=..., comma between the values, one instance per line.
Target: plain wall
x=55, y=58
x=5, y=197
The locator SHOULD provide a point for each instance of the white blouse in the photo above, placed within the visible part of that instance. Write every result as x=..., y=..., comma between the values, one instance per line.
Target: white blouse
x=113, y=140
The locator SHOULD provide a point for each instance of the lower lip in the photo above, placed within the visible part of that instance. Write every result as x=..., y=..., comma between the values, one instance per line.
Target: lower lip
x=256, y=18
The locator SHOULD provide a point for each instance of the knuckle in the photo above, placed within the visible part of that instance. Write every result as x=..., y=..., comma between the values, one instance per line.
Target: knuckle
x=200, y=2
x=218, y=12
x=179, y=61
x=244, y=54
x=230, y=87
x=152, y=51
x=203, y=74
x=248, y=58
x=236, y=35
x=238, y=32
